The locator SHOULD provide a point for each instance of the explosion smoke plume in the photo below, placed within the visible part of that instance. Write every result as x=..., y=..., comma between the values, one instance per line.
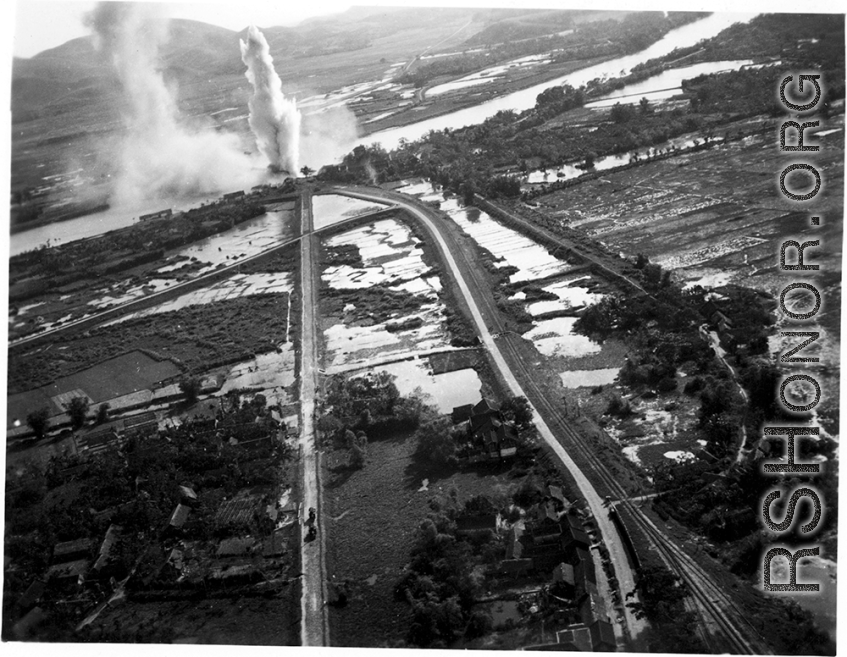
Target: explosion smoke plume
x=274, y=118
x=160, y=156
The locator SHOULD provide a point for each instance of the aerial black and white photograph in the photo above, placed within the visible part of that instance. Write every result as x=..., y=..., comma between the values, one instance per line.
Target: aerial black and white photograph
x=483, y=325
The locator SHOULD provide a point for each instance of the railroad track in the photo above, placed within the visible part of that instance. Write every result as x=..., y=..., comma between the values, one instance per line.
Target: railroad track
x=724, y=626
x=715, y=607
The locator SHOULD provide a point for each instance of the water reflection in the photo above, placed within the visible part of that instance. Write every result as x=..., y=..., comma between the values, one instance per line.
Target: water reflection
x=681, y=37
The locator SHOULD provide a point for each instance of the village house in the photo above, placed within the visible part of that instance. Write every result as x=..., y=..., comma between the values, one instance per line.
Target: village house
x=155, y=216
x=179, y=517
x=488, y=436
x=102, y=566
x=114, y=435
x=717, y=319
x=471, y=525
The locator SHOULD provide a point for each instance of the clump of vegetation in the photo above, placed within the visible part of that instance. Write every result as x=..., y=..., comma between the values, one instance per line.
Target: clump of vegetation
x=77, y=409
x=662, y=602
x=39, y=421
x=439, y=582
x=436, y=441
x=190, y=387
x=371, y=404
x=517, y=409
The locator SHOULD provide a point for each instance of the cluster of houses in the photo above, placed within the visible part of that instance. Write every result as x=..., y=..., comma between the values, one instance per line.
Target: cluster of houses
x=488, y=435
x=234, y=559
x=75, y=567
x=550, y=542
x=113, y=435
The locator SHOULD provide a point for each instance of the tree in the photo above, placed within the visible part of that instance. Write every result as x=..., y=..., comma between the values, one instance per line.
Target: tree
x=102, y=414
x=190, y=387
x=660, y=592
x=518, y=410
x=622, y=113
x=435, y=441
x=644, y=106
x=77, y=409
x=359, y=450
x=39, y=421
x=307, y=171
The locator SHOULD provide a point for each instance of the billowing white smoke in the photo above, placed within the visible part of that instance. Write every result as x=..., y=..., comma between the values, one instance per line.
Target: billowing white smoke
x=327, y=136
x=160, y=155
x=274, y=118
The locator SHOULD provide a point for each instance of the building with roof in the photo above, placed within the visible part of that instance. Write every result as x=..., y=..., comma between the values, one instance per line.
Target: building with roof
x=68, y=574
x=597, y=636
x=187, y=495
x=573, y=533
x=476, y=524
x=32, y=596
x=515, y=567
x=179, y=516
x=489, y=435
x=576, y=638
x=113, y=435
x=71, y=550
x=462, y=413
x=514, y=547
x=603, y=636
x=155, y=216
x=107, y=547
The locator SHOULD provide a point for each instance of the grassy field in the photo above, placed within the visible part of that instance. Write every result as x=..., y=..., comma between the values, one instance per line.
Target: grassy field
x=199, y=337
x=118, y=376
x=372, y=515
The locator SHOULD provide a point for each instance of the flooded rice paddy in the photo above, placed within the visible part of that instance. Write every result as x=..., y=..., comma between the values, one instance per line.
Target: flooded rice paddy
x=657, y=431
x=228, y=248
x=445, y=391
x=556, y=337
x=589, y=378
x=489, y=74
x=329, y=209
x=552, y=337
x=239, y=285
x=512, y=249
x=571, y=297
x=391, y=257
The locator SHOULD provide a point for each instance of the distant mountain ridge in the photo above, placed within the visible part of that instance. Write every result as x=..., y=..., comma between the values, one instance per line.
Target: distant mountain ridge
x=55, y=80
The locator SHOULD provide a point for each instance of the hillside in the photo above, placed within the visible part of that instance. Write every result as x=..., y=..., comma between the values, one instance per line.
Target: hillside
x=51, y=82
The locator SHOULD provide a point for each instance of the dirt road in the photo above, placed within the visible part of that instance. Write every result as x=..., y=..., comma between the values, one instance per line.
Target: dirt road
x=314, y=621
x=611, y=538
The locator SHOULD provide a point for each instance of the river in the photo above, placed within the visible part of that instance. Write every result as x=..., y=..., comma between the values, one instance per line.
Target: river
x=667, y=83
x=687, y=35
x=681, y=37
x=96, y=224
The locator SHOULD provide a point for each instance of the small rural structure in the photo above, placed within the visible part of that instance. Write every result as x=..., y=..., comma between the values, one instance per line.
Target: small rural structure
x=488, y=435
